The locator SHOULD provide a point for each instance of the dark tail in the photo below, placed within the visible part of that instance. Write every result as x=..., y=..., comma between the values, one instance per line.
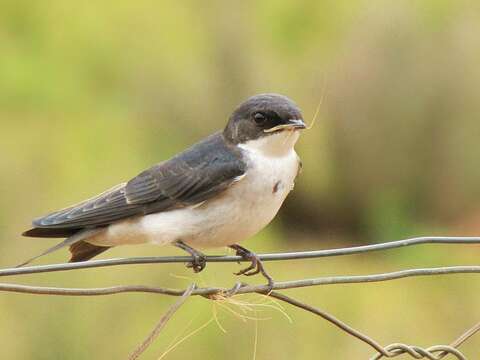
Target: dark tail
x=50, y=233
x=82, y=251
x=77, y=237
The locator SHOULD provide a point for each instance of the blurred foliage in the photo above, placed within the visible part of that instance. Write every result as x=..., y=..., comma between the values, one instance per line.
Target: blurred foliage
x=92, y=93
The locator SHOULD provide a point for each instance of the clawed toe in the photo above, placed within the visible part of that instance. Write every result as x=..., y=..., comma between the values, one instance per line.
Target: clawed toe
x=198, y=264
x=255, y=266
x=252, y=269
x=199, y=260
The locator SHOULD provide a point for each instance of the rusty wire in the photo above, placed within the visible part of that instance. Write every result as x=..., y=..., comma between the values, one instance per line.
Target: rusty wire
x=417, y=352
x=298, y=255
x=436, y=352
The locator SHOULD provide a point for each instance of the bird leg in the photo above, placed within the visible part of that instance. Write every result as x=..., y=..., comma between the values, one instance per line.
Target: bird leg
x=255, y=266
x=199, y=259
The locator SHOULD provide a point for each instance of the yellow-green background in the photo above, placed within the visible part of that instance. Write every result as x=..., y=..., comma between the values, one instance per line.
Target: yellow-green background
x=91, y=93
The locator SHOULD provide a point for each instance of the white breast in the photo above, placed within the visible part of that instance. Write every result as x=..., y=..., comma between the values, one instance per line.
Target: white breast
x=237, y=214
x=254, y=201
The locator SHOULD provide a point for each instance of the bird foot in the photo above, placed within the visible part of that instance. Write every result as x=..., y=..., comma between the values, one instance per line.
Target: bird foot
x=255, y=267
x=199, y=259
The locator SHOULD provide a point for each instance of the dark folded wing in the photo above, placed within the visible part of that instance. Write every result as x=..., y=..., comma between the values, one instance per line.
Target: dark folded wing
x=191, y=177
x=100, y=210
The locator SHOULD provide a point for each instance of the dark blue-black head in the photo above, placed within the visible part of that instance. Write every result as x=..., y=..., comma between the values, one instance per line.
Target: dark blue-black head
x=263, y=115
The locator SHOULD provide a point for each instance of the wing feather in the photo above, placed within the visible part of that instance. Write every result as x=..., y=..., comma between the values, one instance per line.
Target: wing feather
x=190, y=178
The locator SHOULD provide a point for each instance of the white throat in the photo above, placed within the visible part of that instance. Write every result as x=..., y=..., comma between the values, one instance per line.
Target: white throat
x=275, y=145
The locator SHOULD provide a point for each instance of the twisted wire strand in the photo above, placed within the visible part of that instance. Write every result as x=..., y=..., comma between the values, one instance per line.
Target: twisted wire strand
x=436, y=352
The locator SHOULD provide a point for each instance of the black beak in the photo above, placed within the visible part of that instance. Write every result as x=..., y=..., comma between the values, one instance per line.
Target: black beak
x=296, y=124
x=289, y=125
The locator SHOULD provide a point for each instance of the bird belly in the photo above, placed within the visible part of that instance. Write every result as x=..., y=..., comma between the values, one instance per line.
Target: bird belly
x=235, y=215
x=247, y=206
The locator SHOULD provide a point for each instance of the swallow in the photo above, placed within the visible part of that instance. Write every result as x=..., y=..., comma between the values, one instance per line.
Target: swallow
x=217, y=193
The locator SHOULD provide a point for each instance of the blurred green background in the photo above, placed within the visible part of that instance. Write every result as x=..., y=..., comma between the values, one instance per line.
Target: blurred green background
x=92, y=93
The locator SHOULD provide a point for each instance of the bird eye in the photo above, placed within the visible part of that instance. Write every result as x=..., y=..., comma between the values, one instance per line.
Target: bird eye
x=259, y=118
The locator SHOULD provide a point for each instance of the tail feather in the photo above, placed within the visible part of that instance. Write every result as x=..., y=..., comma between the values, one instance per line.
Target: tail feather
x=78, y=236
x=82, y=251
x=50, y=232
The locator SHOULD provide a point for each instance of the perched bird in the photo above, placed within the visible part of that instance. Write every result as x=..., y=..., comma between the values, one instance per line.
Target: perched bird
x=218, y=192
